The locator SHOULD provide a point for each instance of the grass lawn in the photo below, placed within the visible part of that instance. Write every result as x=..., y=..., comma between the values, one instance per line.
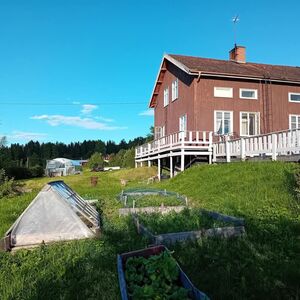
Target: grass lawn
x=263, y=265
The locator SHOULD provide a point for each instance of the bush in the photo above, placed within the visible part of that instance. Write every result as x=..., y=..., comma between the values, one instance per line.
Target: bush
x=6, y=185
x=96, y=161
x=18, y=172
x=36, y=171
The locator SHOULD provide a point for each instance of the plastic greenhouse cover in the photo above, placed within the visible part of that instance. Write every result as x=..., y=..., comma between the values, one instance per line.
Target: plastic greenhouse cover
x=48, y=218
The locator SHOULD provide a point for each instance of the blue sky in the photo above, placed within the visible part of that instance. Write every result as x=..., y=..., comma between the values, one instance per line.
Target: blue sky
x=84, y=69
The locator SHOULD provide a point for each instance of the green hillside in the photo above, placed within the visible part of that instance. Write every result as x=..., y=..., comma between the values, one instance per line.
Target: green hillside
x=262, y=265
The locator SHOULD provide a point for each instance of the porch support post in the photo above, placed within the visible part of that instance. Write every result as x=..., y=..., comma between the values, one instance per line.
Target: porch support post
x=171, y=165
x=149, y=163
x=159, y=169
x=182, y=161
x=136, y=164
x=141, y=163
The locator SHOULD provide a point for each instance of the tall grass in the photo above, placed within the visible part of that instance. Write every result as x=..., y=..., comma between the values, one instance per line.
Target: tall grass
x=262, y=265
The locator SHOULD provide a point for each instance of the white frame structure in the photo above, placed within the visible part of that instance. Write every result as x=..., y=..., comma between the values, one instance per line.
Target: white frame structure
x=257, y=123
x=166, y=96
x=297, y=121
x=220, y=92
x=223, y=119
x=248, y=90
x=290, y=94
x=175, y=89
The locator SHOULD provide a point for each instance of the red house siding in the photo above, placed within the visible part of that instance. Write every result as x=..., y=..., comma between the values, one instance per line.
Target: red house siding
x=196, y=99
x=169, y=116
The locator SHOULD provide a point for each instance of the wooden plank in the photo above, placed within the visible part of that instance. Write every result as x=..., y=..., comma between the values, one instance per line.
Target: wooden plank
x=151, y=209
x=222, y=217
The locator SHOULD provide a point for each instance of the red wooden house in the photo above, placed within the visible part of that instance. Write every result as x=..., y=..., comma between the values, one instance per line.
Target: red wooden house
x=197, y=100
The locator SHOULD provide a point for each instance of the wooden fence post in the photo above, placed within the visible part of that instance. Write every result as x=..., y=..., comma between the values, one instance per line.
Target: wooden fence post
x=274, y=146
x=242, y=149
x=227, y=149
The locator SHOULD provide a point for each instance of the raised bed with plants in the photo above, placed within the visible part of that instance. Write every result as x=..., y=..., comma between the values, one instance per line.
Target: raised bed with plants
x=150, y=201
x=153, y=273
x=189, y=224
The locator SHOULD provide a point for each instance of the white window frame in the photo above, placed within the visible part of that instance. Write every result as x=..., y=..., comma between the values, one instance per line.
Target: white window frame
x=183, y=125
x=159, y=132
x=257, y=122
x=175, y=89
x=215, y=121
x=297, y=121
x=290, y=94
x=248, y=90
x=216, y=88
x=166, y=96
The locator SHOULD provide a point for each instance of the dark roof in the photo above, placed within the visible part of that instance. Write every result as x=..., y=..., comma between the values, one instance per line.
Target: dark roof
x=222, y=67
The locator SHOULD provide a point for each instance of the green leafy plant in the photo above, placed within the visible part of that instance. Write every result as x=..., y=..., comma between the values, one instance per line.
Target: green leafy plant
x=156, y=277
x=186, y=220
x=6, y=185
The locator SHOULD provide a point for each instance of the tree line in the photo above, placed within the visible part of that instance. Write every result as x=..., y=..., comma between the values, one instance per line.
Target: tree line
x=35, y=153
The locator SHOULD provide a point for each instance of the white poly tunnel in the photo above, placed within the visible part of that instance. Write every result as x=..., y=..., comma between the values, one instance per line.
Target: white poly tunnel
x=56, y=214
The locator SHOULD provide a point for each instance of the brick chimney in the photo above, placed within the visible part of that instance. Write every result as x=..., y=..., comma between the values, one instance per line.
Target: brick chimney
x=238, y=54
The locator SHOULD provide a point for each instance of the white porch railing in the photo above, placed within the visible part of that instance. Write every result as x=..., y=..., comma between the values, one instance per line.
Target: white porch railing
x=273, y=144
x=182, y=139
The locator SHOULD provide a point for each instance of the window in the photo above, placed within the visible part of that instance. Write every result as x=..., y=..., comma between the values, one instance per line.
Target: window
x=248, y=94
x=249, y=123
x=294, y=121
x=166, y=96
x=182, y=126
x=223, y=92
x=159, y=131
x=175, y=89
x=294, y=97
x=223, y=122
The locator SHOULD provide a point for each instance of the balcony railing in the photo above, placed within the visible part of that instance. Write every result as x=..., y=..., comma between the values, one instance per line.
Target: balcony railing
x=273, y=144
x=178, y=140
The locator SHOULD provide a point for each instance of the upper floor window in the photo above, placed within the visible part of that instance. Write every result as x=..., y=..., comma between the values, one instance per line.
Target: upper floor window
x=249, y=123
x=294, y=121
x=175, y=89
x=166, y=96
x=248, y=94
x=159, y=131
x=223, y=122
x=294, y=97
x=224, y=92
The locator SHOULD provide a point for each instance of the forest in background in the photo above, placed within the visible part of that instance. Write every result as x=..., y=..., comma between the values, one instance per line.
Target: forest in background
x=29, y=160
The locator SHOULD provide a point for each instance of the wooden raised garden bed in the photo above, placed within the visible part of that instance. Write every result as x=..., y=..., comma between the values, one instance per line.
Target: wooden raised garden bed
x=150, y=201
x=131, y=265
x=219, y=228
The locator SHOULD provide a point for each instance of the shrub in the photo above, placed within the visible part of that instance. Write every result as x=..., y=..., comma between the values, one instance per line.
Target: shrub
x=6, y=185
x=96, y=161
x=36, y=171
x=18, y=172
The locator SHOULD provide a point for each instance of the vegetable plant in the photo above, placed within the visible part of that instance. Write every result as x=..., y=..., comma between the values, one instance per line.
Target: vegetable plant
x=156, y=277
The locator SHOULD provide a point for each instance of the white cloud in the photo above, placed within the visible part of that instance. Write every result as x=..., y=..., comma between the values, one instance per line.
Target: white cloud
x=88, y=108
x=107, y=120
x=149, y=112
x=26, y=136
x=87, y=123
